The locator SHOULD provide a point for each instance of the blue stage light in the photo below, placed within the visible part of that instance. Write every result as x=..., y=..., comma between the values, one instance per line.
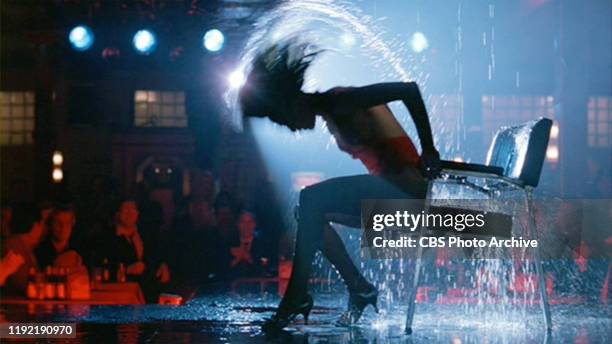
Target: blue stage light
x=81, y=38
x=213, y=40
x=144, y=42
x=347, y=40
x=236, y=79
x=419, y=42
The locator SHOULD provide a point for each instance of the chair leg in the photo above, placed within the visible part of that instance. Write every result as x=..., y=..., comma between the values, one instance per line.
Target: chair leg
x=538, y=262
x=417, y=270
x=413, y=291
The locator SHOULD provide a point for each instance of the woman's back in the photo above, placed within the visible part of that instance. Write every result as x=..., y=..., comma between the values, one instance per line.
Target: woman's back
x=373, y=136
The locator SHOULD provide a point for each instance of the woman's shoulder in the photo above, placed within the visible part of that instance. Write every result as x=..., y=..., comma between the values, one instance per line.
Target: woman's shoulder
x=338, y=99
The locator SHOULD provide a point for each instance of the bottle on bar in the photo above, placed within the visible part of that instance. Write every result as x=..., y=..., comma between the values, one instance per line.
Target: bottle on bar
x=121, y=272
x=49, y=283
x=105, y=271
x=40, y=285
x=61, y=284
x=32, y=290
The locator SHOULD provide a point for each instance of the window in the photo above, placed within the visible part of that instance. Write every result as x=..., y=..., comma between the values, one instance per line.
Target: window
x=164, y=109
x=499, y=111
x=600, y=122
x=16, y=118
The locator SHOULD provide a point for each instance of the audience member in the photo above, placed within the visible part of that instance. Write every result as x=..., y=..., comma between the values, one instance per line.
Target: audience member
x=46, y=208
x=59, y=247
x=150, y=224
x=201, y=215
x=124, y=245
x=203, y=186
x=247, y=258
x=96, y=210
x=226, y=233
x=197, y=243
x=27, y=234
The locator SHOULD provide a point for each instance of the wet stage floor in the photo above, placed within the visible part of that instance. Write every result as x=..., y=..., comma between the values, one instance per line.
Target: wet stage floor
x=236, y=319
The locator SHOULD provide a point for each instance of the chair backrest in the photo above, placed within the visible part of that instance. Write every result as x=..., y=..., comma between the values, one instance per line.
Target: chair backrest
x=520, y=150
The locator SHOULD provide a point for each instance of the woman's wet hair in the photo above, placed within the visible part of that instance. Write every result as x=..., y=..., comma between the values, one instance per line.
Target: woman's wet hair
x=276, y=79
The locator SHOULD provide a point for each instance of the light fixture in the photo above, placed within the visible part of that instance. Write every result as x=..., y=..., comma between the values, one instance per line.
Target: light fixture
x=57, y=175
x=81, y=38
x=213, y=40
x=552, y=153
x=418, y=42
x=236, y=79
x=347, y=40
x=144, y=42
x=58, y=158
x=554, y=131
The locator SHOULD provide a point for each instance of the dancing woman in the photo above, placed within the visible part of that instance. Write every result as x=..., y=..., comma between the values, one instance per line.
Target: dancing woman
x=364, y=127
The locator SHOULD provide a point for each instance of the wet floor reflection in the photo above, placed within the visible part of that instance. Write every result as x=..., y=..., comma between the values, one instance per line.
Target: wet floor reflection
x=223, y=318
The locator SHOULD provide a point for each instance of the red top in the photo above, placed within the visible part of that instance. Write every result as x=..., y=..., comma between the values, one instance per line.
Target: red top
x=389, y=155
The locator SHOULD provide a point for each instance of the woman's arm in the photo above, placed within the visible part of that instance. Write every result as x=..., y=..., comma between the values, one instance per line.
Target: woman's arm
x=377, y=94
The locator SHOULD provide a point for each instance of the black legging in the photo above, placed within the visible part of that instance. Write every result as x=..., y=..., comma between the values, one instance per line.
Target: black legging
x=335, y=199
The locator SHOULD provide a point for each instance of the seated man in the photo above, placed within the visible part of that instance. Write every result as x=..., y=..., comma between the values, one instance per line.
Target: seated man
x=246, y=257
x=58, y=249
x=124, y=245
x=27, y=233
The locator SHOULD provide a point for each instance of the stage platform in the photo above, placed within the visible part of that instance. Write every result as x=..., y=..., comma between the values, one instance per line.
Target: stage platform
x=237, y=318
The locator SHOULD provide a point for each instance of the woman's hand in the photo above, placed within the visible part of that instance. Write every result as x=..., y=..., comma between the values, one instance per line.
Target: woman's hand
x=430, y=163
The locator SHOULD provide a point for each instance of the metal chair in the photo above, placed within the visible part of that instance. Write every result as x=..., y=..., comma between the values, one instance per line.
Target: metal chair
x=514, y=162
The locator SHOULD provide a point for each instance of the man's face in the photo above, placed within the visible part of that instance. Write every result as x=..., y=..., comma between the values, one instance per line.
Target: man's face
x=128, y=214
x=246, y=225
x=63, y=223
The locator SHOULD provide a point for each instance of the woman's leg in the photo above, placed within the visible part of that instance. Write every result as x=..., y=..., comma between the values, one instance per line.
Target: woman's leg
x=333, y=249
x=338, y=195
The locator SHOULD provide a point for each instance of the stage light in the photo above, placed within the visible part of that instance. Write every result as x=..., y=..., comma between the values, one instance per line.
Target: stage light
x=58, y=158
x=144, y=42
x=236, y=79
x=418, y=43
x=81, y=38
x=347, y=40
x=554, y=131
x=57, y=175
x=552, y=154
x=213, y=40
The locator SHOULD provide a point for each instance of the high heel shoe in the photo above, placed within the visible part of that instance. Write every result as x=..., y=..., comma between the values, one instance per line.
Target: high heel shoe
x=357, y=303
x=287, y=312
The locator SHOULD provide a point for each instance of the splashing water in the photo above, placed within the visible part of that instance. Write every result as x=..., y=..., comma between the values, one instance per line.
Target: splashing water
x=359, y=51
x=334, y=26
